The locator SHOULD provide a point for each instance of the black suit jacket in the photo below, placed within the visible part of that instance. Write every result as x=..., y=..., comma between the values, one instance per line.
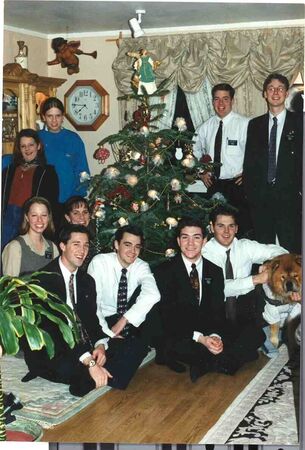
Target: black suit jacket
x=289, y=163
x=86, y=310
x=181, y=314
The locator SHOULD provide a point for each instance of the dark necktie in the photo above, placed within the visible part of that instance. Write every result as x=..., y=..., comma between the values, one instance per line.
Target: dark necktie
x=194, y=278
x=84, y=337
x=230, y=301
x=122, y=300
x=272, y=152
x=217, y=149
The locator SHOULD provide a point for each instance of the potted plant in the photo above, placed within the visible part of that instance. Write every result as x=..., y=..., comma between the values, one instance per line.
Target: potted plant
x=22, y=304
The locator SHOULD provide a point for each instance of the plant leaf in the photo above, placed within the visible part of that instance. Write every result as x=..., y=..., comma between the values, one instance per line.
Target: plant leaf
x=9, y=340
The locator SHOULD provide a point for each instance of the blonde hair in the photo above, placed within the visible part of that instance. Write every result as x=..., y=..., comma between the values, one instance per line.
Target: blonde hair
x=25, y=226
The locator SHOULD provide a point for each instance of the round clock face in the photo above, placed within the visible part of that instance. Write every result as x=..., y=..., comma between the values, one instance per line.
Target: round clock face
x=84, y=105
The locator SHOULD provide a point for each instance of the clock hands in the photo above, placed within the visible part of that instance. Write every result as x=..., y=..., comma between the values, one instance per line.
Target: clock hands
x=81, y=105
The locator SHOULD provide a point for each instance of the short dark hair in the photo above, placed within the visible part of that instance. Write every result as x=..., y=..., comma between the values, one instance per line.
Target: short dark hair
x=189, y=221
x=17, y=155
x=51, y=102
x=275, y=76
x=132, y=229
x=67, y=230
x=74, y=202
x=223, y=87
x=223, y=210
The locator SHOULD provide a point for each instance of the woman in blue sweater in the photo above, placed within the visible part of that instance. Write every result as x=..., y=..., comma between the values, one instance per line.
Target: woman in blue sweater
x=64, y=149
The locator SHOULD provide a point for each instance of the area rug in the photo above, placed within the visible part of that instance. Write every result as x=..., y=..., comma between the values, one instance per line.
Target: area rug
x=263, y=413
x=45, y=402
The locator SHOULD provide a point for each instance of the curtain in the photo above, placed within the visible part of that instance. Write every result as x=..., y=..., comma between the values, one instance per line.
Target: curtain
x=200, y=104
x=242, y=58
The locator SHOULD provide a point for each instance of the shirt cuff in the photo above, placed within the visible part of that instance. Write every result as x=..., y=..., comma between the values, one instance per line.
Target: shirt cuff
x=196, y=335
x=84, y=356
x=103, y=342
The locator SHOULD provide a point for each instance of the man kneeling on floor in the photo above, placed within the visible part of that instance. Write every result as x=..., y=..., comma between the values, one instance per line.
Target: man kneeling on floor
x=91, y=363
x=193, y=310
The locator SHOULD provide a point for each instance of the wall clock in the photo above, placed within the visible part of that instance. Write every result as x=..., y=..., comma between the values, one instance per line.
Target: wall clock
x=86, y=105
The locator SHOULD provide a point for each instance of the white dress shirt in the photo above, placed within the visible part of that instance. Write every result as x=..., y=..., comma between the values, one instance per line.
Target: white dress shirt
x=244, y=253
x=106, y=270
x=66, y=276
x=234, y=136
x=280, y=125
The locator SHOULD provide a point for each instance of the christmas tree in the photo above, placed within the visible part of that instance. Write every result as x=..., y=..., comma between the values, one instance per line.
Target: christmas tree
x=147, y=183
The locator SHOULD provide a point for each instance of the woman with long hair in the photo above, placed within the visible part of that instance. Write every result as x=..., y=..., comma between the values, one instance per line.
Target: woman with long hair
x=32, y=249
x=28, y=175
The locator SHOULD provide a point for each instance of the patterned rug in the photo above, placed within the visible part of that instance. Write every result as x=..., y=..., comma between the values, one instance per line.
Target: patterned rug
x=45, y=402
x=264, y=411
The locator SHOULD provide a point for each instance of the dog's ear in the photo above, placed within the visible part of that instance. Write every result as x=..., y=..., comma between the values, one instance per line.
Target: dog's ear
x=274, y=265
x=298, y=259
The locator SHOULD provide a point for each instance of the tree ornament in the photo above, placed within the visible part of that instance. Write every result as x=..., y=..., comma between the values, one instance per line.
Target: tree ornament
x=84, y=176
x=157, y=159
x=122, y=221
x=170, y=253
x=132, y=180
x=158, y=141
x=135, y=207
x=112, y=172
x=179, y=153
x=188, y=161
x=175, y=184
x=135, y=155
x=171, y=222
x=142, y=160
x=101, y=154
x=144, y=206
x=98, y=208
x=153, y=194
x=120, y=191
x=144, y=130
x=178, y=199
x=181, y=124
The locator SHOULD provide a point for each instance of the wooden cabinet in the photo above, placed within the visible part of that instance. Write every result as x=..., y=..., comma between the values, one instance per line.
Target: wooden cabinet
x=22, y=93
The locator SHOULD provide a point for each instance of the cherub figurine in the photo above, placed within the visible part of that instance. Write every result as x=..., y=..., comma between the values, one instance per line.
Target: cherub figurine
x=144, y=71
x=66, y=54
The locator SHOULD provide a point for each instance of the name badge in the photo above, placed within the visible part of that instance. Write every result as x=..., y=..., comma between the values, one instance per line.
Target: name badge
x=232, y=142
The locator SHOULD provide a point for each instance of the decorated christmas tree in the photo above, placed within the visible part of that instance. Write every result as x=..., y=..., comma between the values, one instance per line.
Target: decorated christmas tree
x=147, y=183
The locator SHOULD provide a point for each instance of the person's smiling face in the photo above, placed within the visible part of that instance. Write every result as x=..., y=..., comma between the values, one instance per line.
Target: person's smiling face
x=222, y=103
x=29, y=148
x=224, y=229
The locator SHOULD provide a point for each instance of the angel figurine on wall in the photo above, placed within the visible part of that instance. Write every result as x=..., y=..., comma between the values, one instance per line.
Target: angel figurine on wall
x=144, y=74
x=66, y=54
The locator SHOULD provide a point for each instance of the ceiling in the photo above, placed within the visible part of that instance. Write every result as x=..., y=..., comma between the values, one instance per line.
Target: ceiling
x=50, y=17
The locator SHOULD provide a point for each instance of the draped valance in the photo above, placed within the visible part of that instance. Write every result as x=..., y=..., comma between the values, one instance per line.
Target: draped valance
x=233, y=57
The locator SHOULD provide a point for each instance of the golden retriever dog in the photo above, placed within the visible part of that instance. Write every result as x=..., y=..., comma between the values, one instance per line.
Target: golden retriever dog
x=285, y=283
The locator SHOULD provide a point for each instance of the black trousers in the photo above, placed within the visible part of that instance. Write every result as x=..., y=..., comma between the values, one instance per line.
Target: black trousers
x=235, y=196
x=124, y=356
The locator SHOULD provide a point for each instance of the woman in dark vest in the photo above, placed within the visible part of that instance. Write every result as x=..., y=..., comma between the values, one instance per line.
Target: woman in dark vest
x=27, y=176
x=31, y=250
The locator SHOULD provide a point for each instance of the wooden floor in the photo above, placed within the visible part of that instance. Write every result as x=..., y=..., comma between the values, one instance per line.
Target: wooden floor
x=159, y=406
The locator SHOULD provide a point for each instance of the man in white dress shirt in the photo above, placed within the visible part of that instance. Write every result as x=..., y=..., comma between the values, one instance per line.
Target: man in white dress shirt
x=137, y=317
x=244, y=253
x=230, y=130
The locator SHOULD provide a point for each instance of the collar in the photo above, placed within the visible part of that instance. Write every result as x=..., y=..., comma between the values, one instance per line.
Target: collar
x=65, y=272
x=222, y=248
x=269, y=297
x=280, y=117
x=226, y=118
x=188, y=263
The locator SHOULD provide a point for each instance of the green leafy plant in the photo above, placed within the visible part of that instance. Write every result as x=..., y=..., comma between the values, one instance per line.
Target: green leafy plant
x=23, y=302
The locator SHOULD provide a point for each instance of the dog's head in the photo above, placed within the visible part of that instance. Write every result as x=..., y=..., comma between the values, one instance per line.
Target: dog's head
x=285, y=276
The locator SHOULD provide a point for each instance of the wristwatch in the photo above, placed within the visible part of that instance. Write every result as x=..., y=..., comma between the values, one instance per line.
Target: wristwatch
x=92, y=363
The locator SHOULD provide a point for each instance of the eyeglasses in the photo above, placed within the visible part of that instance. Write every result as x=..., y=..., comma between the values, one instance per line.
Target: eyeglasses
x=272, y=89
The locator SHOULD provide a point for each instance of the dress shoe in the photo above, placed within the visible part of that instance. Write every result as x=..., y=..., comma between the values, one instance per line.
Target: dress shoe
x=226, y=365
x=197, y=372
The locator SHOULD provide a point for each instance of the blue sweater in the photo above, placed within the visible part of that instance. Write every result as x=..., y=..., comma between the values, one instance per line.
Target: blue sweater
x=66, y=152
